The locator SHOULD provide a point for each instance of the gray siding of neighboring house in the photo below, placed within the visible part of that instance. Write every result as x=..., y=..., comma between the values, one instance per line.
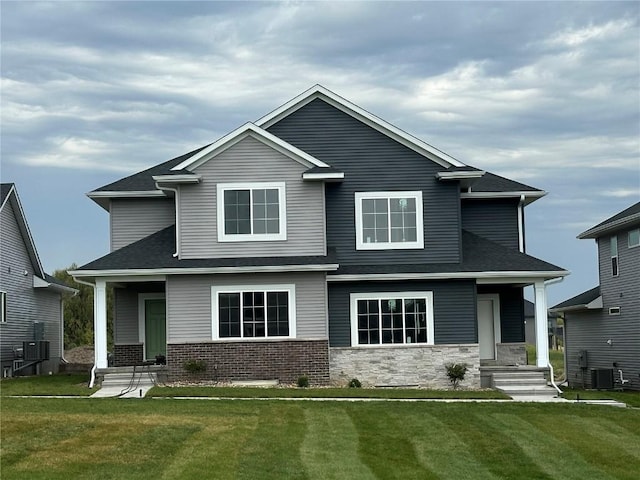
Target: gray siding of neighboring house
x=25, y=304
x=133, y=219
x=189, y=303
x=512, y=328
x=372, y=161
x=454, y=305
x=590, y=330
x=126, y=328
x=251, y=161
x=495, y=220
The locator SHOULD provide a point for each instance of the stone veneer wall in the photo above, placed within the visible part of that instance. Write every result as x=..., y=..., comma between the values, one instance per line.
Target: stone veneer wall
x=511, y=354
x=406, y=365
x=126, y=355
x=255, y=360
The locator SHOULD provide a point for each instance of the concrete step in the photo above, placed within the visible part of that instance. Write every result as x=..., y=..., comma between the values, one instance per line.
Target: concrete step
x=519, y=381
x=524, y=374
x=528, y=390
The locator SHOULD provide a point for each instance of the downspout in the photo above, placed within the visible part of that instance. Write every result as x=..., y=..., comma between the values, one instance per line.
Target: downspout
x=92, y=380
x=177, y=205
x=62, y=327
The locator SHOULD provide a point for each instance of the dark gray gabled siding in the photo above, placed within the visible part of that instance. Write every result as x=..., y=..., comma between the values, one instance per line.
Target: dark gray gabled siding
x=495, y=220
x=372, y=161
x=454, y=308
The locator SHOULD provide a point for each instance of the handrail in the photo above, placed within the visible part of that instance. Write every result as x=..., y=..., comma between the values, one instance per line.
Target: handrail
x=552, y=379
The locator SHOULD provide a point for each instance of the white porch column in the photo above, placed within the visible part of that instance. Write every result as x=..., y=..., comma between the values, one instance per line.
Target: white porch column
x=100, y=323
x=542, y=327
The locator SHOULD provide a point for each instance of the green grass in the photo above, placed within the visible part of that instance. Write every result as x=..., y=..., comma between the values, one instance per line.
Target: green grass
x=632, y=399
x=183, y=439
x=61, y=384
x=251, y=392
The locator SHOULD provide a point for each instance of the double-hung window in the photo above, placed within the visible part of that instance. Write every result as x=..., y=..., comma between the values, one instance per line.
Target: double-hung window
x=389, y=220
x=634, y=238
x=251, y=212
x=615, y=269
x=391, y=318
x=253, y=312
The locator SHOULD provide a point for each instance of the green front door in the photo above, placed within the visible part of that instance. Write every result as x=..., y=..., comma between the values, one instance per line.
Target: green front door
x=155, y=327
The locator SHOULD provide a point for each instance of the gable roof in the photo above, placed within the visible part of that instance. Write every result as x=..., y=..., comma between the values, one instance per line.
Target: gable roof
x=591, y=299
x=9, y=195
x=626, y=218
x=344, y=105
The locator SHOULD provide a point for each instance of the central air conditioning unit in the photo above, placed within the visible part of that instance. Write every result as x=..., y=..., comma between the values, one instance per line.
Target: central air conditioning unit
x=36, y=351
x=602, y=378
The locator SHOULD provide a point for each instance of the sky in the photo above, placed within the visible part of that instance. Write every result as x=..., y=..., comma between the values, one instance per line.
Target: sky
x=545, y=93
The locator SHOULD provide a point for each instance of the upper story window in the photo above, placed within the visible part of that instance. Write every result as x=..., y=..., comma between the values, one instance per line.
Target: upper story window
x=634, y=238
x=614, y=256
x=251, y=212
x=3, y=307
x=389, y=220
x=392, y=318
x=254, y=312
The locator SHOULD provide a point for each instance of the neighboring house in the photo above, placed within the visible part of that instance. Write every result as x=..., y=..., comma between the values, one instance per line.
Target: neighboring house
x=602, y=325
x=30, y=300
x=321, y=241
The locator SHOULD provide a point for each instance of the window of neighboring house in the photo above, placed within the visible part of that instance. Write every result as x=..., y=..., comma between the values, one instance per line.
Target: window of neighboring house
x=634, y=238
x=3, y=307
x=251, y=212
x=254, y=312
x=614, y=256
x=614, y=311
x=389, y=220
x=391, y=318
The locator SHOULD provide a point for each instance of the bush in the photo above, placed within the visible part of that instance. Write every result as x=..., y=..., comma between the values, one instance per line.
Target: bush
x=355, y=383
x=195, y=366
x=303, y=381
x=456, y=373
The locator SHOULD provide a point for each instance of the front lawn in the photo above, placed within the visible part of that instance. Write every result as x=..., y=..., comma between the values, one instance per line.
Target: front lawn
x=630, y=398
x=60, y=384
x=169, y=438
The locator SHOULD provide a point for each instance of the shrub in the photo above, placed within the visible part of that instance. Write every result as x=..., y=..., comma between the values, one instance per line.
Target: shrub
x=303, y=381
x=195, y=366
x=355, y=383
x=456, y=373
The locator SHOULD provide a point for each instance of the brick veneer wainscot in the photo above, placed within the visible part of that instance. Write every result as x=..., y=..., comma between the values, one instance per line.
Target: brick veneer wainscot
x=285, y=360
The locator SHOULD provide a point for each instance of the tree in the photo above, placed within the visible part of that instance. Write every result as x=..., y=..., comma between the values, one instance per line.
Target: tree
x=78, y=312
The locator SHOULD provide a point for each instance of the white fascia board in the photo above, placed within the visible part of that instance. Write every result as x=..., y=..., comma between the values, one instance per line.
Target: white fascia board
x=126, y=194
x=203, y=270
x=6, y=199
x=529, y=196
x=610, y=227
x=323, y=176
x=480, y=277
x=23, y=226
x=184, y=178
x=595, y=304
x=242, y=132
x=344, y=105
x=460, y=175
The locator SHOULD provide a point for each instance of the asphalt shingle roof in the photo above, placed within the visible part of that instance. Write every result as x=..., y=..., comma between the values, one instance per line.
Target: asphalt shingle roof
x=583, y=298
x=490, y=182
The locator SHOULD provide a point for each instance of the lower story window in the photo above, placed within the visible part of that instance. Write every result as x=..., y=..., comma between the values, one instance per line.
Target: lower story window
x=392, y=318
x=253, y=312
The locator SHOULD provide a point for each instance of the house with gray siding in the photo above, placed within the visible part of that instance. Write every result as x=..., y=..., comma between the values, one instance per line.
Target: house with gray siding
x=602, y=325
x=319, y=240
x=31, y=307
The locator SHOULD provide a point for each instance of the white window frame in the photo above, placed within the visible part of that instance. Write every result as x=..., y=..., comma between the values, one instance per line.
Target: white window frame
x=615, y=259
x=3, y=307
x=614, y=311
x=215, y=321
x=360, y=243
x=252, y=237
x=354, y=297
x=629, y=244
